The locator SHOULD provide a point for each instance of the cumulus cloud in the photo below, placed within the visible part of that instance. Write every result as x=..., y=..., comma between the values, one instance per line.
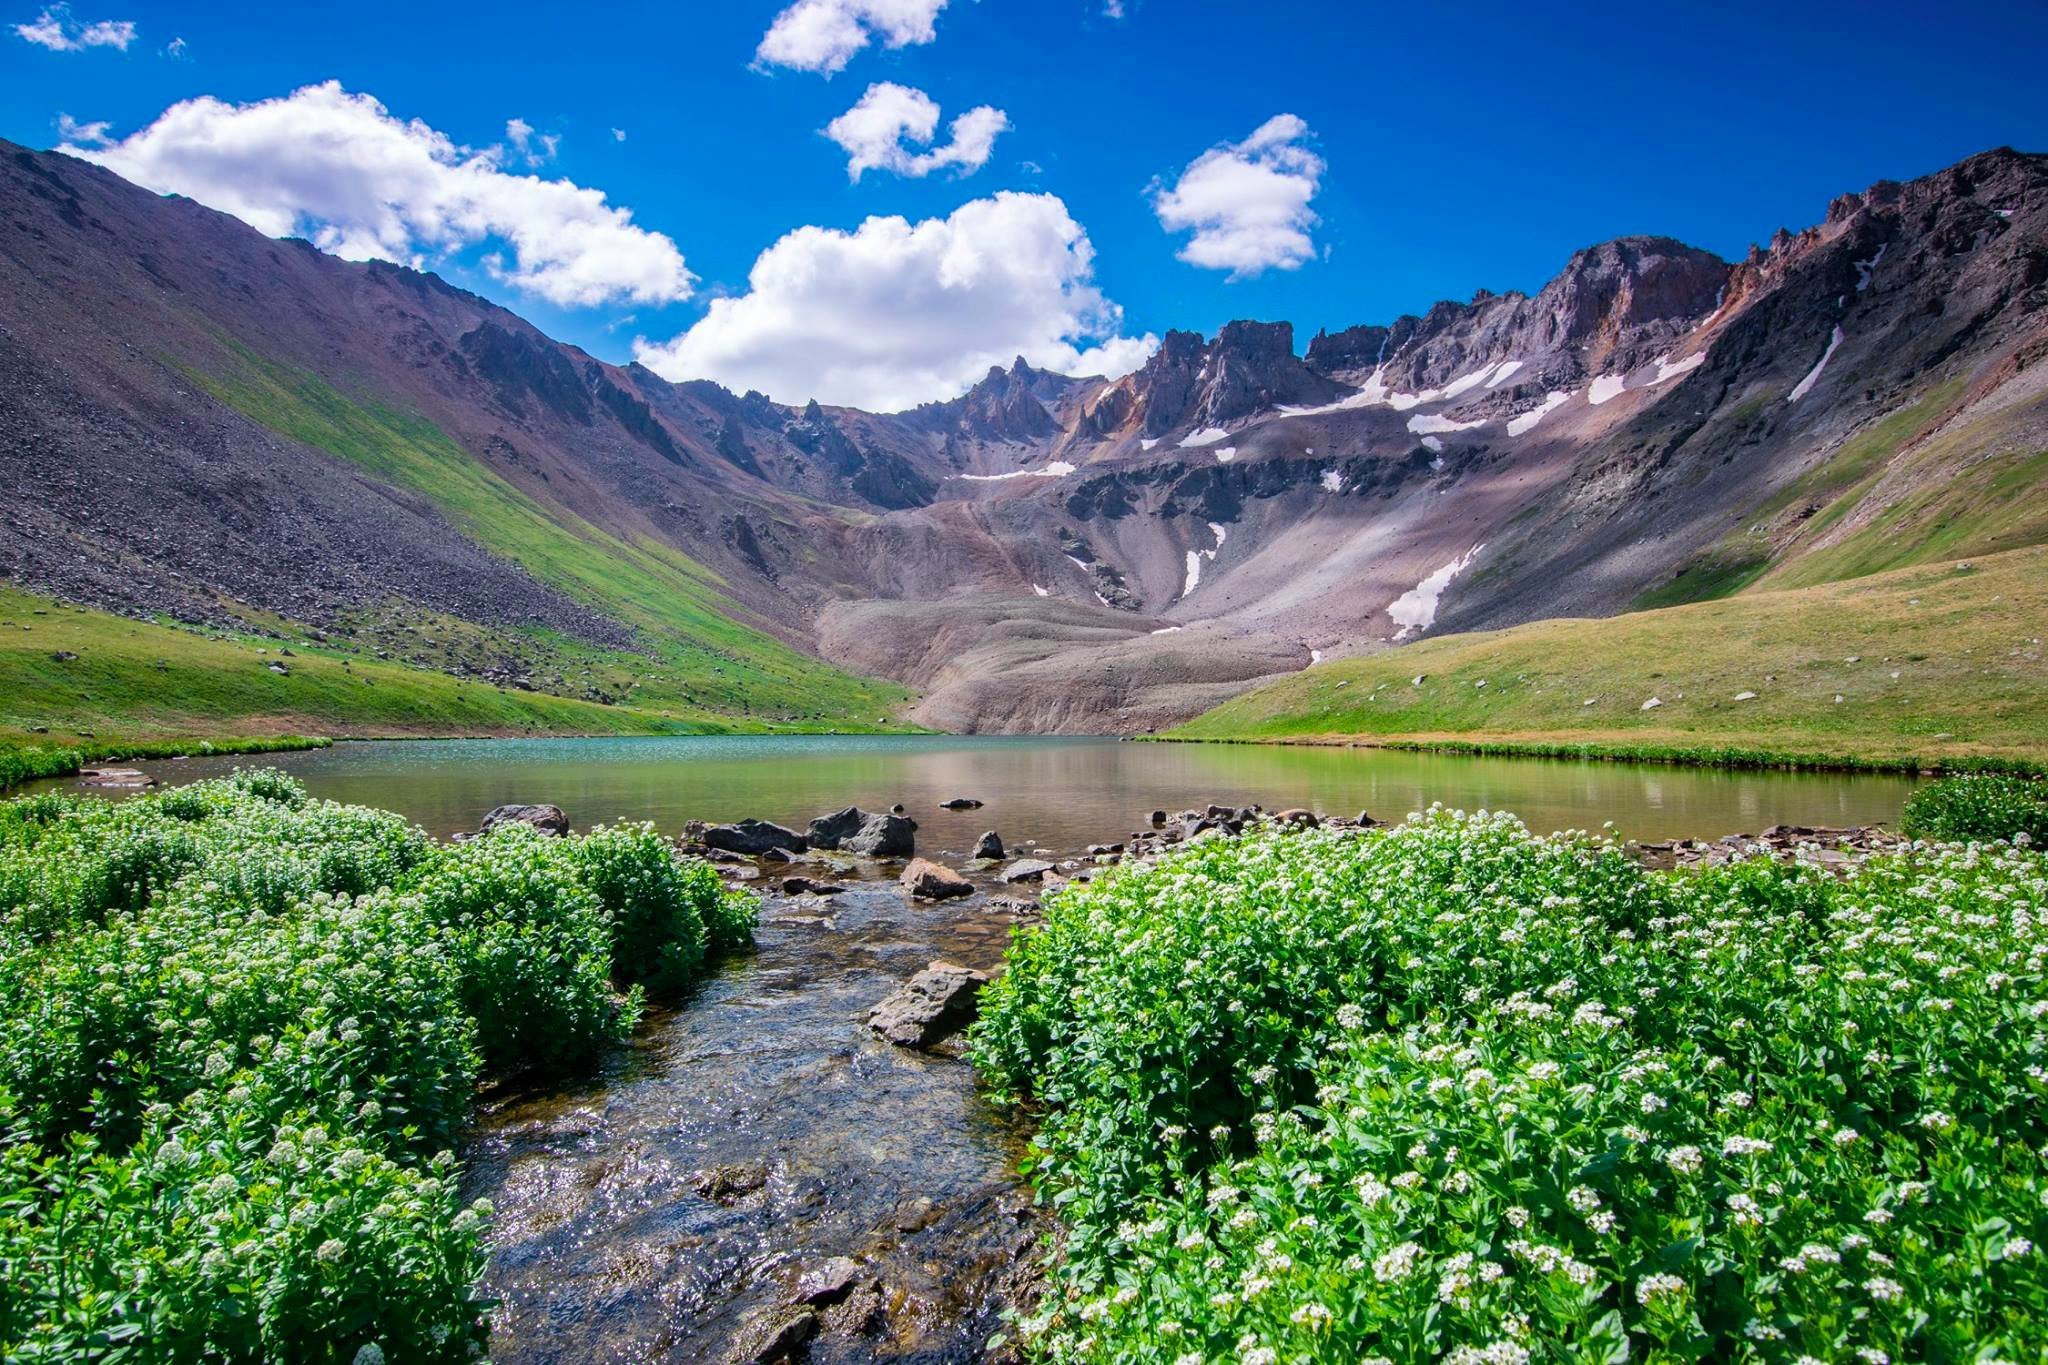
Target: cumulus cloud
x=534, y=147
x=823, y=35
x=1247, y=202
x=340, y=169
x=896, y=313
x=56, y=30
x=874, y=131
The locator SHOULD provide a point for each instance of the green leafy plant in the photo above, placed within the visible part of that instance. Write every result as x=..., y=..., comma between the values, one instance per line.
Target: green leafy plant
x=1980, y=806
x=1450, y=1091
x=244, y=1031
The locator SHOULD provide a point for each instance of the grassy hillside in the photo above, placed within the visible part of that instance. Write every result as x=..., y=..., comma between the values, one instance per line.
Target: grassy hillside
x=1935, y=662
x=704, y=660
x=77, y=684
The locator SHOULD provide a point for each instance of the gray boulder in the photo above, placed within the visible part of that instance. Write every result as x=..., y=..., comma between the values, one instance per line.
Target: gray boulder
x=883, y=836
x=990, y=845
x=931, y=1007
x=754, y=838
x=1026, y=870
x=827, y=831
x=546, y=819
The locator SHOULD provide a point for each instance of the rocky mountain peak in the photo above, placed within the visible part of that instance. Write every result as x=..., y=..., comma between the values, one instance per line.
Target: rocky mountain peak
x=1249, y=367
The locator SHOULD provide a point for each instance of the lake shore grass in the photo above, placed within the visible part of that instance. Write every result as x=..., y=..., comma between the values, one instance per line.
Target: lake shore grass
x=1933, y=668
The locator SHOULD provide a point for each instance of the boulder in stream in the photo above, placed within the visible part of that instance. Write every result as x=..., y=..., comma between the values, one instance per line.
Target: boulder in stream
x=931, y=1007
x=928, y=880
x=546, y=819
x=753, y=838
x=853, y=830
x=779, y=1334
x=1026, y=870
x=960, y=803
x=989, y=845
x=808, y=886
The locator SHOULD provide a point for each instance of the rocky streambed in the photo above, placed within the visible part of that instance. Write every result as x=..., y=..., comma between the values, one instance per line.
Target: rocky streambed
x=795, y=1163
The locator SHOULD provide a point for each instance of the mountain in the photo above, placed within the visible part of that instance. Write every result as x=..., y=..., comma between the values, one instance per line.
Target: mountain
x=206, y=425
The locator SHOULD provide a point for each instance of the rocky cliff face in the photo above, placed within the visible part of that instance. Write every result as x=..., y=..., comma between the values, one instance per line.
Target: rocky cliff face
x=198, y=419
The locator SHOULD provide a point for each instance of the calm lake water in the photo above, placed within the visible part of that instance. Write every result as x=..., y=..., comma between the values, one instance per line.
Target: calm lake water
x=1061, y=793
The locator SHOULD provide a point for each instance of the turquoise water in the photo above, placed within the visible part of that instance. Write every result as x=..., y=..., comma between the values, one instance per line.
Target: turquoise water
x=1062, y=793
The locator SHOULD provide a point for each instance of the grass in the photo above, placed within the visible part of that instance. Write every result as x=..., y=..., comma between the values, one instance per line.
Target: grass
x=245, y=1030
x=705, y=660
x=1963, y=642
x=1450, y=1092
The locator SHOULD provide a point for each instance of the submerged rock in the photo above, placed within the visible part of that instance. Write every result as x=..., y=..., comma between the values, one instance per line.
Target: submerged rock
x=829, y=1281
x=726, y=1184
x=806, y=886
x=932, y=1006
x=960, y=803
x=777, y=1335
x=546, y=819
x=927, y=879
x=1026, y=870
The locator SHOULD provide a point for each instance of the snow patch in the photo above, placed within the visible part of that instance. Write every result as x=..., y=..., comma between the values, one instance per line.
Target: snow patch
x=1058, y=469
x=1315, y=656
x=1652, y=704
x=1433, y=443
x=1169, y=630
x=1466, y=383
x=1526, y=423
x=1083, y=565
x=1669, y=369
x=1207, y=436
x=1040, y=591
x=1148, y=442
x=1226, y=455
x=1429, y=422
x=1221, y=532
x=1194, y=572
x=1333, y=481
x=1504, y=373
x=1100, y=598
x=1415, y=609
x=1865, y=269
x=1606, y=387
x=1805, y=386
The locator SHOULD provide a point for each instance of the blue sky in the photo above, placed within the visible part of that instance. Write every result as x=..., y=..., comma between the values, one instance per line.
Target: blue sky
x=1455, y=147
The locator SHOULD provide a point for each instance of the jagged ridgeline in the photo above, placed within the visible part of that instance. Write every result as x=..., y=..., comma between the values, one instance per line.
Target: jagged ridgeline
x=208, y=426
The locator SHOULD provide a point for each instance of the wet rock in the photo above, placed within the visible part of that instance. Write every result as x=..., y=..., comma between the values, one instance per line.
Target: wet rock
x=883, y=836
x=753, y=838
x=930, y=881
x=777, y=1335
x=930, y=1007
x=829, y=1281
x=805, y=886
x=960, y=803
x=1297, y=816
x=729, y=1184
x=546, y=819
x=1104, y=850
x=1025, y=870
x=776, y=855
x=1365, y=820
x=1158, y=819
x=853, y=830
x=989, y=845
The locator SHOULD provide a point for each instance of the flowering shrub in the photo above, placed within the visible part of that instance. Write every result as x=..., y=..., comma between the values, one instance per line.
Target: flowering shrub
x=1516, y=1098
x=1984, y=806
x=244, y=1030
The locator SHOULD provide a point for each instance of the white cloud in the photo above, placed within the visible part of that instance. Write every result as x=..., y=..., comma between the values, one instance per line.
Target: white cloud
x=56, y=30
x=874, y=131
x=1247, y=202
x=339, y=168
x=175, y=49
x=535, y=147
x=70, y=130
x=618, y=134
x=896, y=313
x=823, y=35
